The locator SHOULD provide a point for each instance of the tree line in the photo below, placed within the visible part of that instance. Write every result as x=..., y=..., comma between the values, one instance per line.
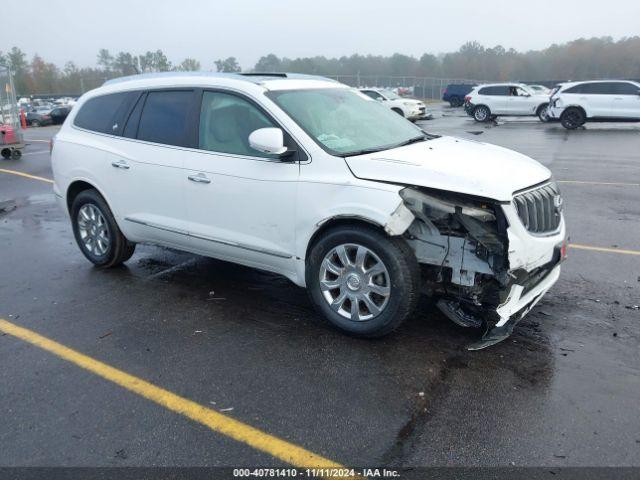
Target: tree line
x=580, y=59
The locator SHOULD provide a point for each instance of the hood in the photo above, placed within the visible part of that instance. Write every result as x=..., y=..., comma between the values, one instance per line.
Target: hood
x=455, y=165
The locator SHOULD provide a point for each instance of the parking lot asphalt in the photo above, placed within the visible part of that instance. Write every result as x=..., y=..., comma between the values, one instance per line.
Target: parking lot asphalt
x=562, y=391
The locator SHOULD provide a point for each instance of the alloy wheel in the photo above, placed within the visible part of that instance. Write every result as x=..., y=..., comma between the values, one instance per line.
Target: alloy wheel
x=93, y=230
x=355, y=282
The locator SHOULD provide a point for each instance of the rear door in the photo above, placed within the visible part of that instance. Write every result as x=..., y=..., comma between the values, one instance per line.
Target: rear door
x=149, y=161
x=495, y=97
x=599, y=97
x=241, y=203
x=626, y=101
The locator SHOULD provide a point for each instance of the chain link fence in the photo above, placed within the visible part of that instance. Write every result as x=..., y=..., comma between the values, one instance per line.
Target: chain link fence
x=430, y=88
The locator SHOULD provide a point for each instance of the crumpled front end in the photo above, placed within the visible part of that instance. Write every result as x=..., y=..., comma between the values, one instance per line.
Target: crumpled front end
x=488, y=263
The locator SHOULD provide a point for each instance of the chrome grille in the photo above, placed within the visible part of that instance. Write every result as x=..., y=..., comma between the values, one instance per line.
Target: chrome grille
x=540, y=208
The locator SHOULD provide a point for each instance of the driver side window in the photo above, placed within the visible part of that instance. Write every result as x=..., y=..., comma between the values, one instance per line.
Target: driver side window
x=226, y=121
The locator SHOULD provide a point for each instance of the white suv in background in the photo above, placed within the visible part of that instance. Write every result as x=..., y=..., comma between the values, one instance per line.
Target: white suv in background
x=409, y=108
x=595, y=101
x=491, y=100
x=313, y=180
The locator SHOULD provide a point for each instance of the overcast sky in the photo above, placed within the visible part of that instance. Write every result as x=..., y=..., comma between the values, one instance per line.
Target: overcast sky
x=62, y=30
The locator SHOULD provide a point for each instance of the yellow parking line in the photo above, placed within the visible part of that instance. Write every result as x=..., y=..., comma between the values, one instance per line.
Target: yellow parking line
x=239, y=431
x=26, y=175
x=615, y=184
x=604, y=249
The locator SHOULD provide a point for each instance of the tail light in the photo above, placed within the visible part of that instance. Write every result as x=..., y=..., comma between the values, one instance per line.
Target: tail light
x=467, y=98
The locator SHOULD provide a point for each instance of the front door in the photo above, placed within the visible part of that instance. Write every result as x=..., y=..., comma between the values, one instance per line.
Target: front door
x=520, y=102
x=626, y=102
x=241, y=203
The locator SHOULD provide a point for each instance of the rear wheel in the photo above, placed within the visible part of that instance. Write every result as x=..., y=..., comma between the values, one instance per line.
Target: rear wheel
x=35, y=123
x=481, y=113
x=572, y=118
x=362, y=281
x=6, y=153
x=97, y=232
x=455, y=101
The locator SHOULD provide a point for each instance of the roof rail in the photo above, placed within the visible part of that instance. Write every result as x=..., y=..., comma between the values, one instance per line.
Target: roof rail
x=264, y=74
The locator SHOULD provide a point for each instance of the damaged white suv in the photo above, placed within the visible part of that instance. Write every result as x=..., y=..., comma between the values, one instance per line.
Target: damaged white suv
x=313, y=180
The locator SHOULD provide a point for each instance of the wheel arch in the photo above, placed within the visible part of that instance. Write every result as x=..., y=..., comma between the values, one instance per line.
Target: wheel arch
x=338, y=221
x=78, y=186
x=541, y=106
x=579, y=107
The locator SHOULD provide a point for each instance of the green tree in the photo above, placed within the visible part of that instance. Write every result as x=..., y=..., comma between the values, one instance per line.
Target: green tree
x=126, y=64
x=229, y=64
x=189, y=65
x=17, y=61
x=269, y=63
x=105, y=59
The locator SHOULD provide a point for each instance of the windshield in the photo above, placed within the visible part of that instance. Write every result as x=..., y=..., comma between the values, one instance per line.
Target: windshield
x=390, y=95
x=345, y=122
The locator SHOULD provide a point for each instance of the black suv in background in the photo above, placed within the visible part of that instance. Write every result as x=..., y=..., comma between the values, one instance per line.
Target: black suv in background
x=455, y=93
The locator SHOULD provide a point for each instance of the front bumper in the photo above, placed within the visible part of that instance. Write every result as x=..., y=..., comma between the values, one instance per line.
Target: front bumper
x=519, y=302
x=419, y=113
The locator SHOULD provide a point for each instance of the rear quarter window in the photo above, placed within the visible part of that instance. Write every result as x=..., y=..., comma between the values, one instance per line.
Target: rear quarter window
x=104, y=114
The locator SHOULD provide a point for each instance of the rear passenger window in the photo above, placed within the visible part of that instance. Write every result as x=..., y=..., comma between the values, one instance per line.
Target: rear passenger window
x=499, y=90
x=627, y=89
x=574, y=89
x=165, y=117
x=602, y=88
x=226, y=121
x=104, y=114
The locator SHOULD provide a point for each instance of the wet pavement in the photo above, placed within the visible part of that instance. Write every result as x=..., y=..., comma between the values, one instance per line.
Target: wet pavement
x=564, y=390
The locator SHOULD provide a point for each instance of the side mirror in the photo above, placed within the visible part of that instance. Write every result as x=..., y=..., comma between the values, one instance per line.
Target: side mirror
x=268, y=140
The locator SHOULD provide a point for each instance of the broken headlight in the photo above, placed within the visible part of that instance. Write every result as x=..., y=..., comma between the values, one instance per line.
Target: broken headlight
x=440, y=205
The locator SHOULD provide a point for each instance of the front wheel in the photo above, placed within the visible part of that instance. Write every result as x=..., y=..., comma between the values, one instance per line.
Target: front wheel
x=362, y=281
x=455, y=101
x=35, y=123
x=543, y=112
x=97, y=232
x=481, y=113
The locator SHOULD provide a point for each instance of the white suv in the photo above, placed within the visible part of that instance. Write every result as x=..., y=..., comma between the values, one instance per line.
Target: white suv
x=595, y=101
x=488, y=101
x=409, y=108
x=311, y=179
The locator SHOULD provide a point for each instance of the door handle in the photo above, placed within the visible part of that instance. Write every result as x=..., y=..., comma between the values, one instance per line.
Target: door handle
x=199, y=178
x=120, y=164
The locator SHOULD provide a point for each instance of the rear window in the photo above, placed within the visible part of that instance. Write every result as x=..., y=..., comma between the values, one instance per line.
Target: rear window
x=165, y=117
x=104, y=114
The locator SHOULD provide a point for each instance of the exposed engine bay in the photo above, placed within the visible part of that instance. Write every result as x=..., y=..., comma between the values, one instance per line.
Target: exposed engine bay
x=462, y=245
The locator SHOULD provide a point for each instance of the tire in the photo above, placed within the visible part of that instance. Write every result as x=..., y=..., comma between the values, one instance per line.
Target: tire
x=107, y=250
x=35, y=123
x=455, y=101
x=16, y=154
x=481, y=113
x=572, y=118
x=542, y=112
x=401, y=278
x=6, y=153
x=398, y=111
